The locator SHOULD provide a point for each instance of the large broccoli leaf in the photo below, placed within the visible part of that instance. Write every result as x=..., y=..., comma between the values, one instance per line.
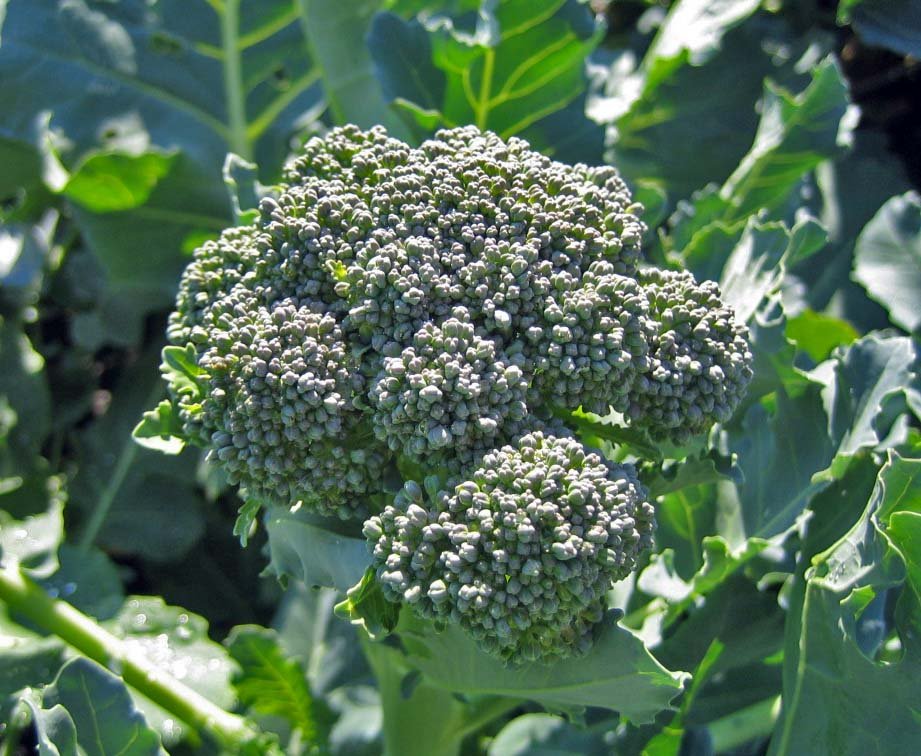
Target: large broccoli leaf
x=511, y=67
x=132, y=107
x=839, y=697
x=617, y=673
x=887, y=259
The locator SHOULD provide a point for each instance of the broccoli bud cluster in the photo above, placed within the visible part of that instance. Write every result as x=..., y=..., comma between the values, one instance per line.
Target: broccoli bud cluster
x=700, y=363
x=430, y=309
x=522, y=553
x=447, y=398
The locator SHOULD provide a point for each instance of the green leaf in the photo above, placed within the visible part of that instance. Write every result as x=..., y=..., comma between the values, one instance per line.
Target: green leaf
x=683, y=517
x=545, y=735
x=779, y=456
x=246, y=519
x=523, y=62
x=269, y=681
x=887, y=259
x=366, y=606
x=33, y=543
x=160, y=429
x=716, y=90
x=795, y=134
x=177, y=642
x=106, y=182
x=243, y=188
x=867, y=389
x=893, y=24
x=818, y=335
x=180, y=368
x=306, y=551
x=706, y=467
x=336, y=32
x=100, y=706
x=837, y=700
x=617, y=673
x=54, y=727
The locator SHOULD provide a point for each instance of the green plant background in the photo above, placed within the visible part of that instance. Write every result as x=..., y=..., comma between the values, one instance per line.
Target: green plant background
x=775, y=146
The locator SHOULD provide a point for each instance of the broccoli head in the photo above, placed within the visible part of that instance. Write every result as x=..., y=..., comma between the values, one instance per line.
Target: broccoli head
x=430, y=311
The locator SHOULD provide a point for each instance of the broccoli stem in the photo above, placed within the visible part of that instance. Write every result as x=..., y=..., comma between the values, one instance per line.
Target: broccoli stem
x=422, y=720
x=25, y=597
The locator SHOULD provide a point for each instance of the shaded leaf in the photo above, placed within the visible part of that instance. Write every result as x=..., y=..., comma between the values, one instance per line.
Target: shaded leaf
x=87, y=580
x=717, y=92
x=100, y=706
x=867, y=389
x=778, y=457
x=337, y=32
x=312, y=554
x=26, y=660
x=243, y=188
x=795, y=134
x=894, y=24
x=33, y=543
x=148, y=503
x=836, y=699
x=271, y=682
x=887, y=259
x=54, y=727
x=137, y=80
x=524, y=61
x=545, y=735
x=617, y=673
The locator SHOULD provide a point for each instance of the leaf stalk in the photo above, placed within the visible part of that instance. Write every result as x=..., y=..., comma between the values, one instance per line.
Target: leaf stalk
x=26, y=598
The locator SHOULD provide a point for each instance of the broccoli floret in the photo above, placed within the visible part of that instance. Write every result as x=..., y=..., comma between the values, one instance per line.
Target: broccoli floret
x=428, y=310
x=590, y=343
x=700, y=363
x=521, y=554
x=448, y=397
x=280, y=406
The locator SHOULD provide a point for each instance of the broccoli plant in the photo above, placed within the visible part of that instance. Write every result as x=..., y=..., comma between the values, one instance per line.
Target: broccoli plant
x=567, y=402
x=420, y=346
x=398, y=318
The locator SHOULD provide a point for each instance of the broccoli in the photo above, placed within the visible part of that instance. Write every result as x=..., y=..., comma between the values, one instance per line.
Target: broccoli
x=521, y=553
x=396, y=313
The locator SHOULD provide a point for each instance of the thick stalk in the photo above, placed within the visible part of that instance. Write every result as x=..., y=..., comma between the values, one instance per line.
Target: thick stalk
x=426, y=723
x=234, y=95
x=27, y=598
x=430, y=721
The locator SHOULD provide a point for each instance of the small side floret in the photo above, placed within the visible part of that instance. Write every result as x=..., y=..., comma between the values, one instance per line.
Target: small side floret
x=521, y=554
